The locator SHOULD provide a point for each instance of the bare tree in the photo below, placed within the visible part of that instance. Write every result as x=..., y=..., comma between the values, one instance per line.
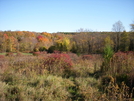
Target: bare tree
x=118, y=27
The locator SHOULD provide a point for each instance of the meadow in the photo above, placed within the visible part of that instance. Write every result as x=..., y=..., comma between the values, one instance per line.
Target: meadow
x=66, y=76
x=81, y=66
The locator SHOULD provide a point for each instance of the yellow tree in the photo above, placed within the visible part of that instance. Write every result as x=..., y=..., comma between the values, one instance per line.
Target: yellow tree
x=63, y=44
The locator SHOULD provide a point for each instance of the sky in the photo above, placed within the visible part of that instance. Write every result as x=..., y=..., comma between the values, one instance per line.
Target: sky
x=64, y=15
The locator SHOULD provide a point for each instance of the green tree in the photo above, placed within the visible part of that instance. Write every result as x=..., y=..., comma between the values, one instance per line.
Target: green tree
x=107, y=54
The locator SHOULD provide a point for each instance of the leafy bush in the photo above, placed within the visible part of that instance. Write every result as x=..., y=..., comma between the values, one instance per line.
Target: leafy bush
x=58, y=63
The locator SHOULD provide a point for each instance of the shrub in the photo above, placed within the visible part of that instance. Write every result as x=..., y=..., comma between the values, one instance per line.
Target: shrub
x=3, y=88
x=84, y=90
x=56, y=63
x=121, y=67
x=108, y=53
x=122, y=62
x=130, y=80
x=115, y=92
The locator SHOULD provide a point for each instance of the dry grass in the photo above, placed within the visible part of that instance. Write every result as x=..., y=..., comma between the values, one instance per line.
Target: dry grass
x=26, y=78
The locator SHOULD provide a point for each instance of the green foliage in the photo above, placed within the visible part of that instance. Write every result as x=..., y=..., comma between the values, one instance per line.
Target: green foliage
x=51, y=49
x=108, y=53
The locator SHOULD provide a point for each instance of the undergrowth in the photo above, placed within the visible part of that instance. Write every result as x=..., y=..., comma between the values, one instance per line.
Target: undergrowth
x=66, y=77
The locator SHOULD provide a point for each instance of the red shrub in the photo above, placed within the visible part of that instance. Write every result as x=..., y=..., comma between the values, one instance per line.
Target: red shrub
x=58, y=62
x=120, y=56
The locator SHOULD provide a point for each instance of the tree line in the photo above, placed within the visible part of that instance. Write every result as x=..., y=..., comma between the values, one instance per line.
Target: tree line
x=82, y=41
x=79, y=42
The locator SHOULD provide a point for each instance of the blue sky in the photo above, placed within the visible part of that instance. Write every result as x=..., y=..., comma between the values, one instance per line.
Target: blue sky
x=64, y=15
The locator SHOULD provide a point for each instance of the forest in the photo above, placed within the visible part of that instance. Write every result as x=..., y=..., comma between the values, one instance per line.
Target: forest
x=66, y=66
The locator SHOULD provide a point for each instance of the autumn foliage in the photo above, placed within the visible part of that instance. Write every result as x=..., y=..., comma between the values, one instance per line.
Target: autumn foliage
x=83, y=66
x=83, y=42
x=58, y=62
x=42, y=39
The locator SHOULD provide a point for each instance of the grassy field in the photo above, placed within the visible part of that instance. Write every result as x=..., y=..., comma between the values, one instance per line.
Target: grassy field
x=16, y=53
